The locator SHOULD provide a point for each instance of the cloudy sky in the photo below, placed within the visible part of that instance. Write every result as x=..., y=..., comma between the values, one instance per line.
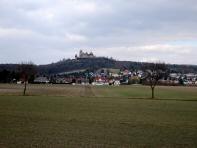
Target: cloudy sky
x=45, y=31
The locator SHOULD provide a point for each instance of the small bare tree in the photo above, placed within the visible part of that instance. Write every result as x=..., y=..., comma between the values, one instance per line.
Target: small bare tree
x=27, y=71
x=153, y=73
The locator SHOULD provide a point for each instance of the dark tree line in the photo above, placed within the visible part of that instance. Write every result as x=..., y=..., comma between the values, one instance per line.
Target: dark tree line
x=9, y=76
x=96, y=63
x=24, y=72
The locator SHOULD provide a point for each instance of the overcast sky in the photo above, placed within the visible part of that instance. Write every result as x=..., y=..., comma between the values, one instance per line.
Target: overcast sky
x=45, y=31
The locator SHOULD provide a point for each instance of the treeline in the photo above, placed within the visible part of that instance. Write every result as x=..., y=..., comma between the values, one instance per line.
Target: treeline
x=13, y=73
x=9, y=71
x=98, y=63
x=9, y=76
x=73, y=64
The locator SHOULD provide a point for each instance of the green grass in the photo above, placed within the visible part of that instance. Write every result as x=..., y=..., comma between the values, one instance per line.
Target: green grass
x=78, y=116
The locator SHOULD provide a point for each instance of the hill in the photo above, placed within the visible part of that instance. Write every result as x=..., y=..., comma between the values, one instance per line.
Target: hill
x=76, y=64
x=94, y=64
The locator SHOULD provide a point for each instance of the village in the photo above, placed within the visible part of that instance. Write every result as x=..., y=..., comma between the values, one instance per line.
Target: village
x=109, y=76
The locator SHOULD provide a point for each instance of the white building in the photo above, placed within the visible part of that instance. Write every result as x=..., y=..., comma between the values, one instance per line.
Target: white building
x=41, y=80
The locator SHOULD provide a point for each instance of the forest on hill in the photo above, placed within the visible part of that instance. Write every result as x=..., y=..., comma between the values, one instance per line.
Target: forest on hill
x=93, y=64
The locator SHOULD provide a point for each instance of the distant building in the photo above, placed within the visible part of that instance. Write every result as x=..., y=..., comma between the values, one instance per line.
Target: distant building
x=84, y=55
x=41, y=80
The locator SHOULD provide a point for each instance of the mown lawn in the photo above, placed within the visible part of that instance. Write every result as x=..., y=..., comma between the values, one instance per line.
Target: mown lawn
x=98, y=117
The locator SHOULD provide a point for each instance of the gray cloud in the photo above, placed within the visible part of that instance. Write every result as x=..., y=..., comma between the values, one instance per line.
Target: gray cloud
x=144, y=30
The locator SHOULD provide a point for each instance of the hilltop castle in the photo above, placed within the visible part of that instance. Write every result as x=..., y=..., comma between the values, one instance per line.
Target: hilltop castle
x=84, y=55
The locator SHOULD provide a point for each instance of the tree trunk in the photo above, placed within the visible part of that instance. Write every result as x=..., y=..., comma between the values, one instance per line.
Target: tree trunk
x=153, y=92
x=24, y=91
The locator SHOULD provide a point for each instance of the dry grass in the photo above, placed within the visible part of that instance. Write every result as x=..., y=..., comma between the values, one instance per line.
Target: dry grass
x=162, y=92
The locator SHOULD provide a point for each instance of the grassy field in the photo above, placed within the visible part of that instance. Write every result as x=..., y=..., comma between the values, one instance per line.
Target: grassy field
x=84, y=116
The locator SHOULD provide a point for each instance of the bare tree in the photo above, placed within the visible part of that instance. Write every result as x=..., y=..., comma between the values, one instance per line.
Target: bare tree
x=153, y=73
x=27, y=72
